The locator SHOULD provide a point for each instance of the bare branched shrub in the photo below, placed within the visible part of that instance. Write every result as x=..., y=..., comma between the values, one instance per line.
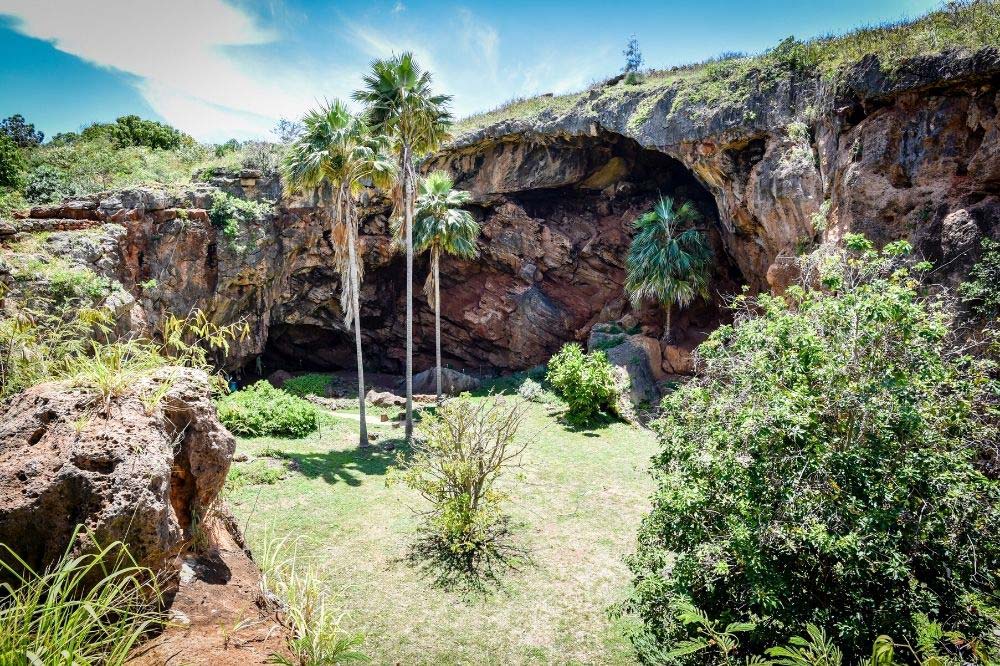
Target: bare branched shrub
x=455, y=464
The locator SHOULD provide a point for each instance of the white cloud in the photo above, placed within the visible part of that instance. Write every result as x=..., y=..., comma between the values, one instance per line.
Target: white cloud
x=194, y=58
x=212, y=69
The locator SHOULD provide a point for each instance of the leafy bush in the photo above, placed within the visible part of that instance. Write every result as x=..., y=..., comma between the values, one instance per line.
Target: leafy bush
x=229, y=212
x=47, y=184
x=313, y=383
x=455, y=463
x=132, y=131
x=982, y=290
x=261, y=409
x=823, y=469
x=531, y=390
x=10, y=201
x=261, y=155
x=60, y=617
x=12, y=164
x=585, y=381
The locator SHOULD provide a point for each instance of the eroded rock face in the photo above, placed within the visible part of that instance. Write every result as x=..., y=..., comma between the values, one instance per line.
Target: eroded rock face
x=914, y=155
x=135, y=471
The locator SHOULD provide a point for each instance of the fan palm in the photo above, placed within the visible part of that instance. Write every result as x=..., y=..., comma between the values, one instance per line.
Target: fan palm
x=339, y=150
x=666, y=263
x=440, y=225
x=400, y=104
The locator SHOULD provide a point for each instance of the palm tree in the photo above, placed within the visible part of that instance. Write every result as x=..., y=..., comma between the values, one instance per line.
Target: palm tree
x=337, y=149
x=398, y=98
x=440, y=225
x=666, y=263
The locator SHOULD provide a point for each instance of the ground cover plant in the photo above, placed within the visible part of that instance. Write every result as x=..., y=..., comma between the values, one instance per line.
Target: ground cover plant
x=260, y=409
x=576, y=500
x=311, y=383
x=824, y=469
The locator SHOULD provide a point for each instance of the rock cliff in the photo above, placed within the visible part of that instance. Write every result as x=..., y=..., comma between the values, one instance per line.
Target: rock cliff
x=912, y=153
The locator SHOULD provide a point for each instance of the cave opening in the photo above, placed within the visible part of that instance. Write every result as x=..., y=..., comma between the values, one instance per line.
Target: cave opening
x=556, y=219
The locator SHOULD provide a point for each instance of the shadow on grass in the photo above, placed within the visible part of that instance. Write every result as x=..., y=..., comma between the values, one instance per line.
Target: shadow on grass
x=481, y=572
x=348, y=466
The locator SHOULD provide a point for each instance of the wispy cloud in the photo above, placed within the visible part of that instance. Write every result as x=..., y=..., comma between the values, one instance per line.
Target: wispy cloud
x=217, y=70
x=194, y=58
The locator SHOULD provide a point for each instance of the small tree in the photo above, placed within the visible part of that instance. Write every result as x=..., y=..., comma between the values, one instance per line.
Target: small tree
x=666, y=263
x=21, y=132
x=441, y=226
x=633, y=59
x=455, y=464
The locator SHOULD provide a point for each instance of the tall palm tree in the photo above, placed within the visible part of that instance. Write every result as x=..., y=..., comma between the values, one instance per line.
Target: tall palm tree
x=337, y=149
x=666, y=263
x=400, y=104
x=440, y=225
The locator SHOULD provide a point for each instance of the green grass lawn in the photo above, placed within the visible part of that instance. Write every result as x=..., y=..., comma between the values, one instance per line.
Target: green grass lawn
x=577, y=501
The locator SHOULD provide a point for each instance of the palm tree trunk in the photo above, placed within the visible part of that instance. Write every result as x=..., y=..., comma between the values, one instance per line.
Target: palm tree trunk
x=436, y=260
x=667, y=337
x=355, y=289
x=408, y=221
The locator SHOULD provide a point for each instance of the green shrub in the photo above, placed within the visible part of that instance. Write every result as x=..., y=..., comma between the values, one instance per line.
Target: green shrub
x=132, y=131
x=47, y=184
x=585, y=381
x=261, y=409
x=313, y=383
x=823, y=469
x=12, y=164
x=455, y=464
x=256, y=473
x=62, y=616
x=982, y=290
x=228, y=213
x=10, y=202
x=531, y=390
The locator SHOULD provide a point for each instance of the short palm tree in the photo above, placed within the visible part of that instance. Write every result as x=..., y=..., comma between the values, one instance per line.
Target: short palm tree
x=337, y=149
x=666, y=263
x=400, y=104
x=440, y=225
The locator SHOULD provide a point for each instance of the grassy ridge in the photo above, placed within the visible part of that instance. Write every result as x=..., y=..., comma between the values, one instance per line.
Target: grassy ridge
x=731, y=78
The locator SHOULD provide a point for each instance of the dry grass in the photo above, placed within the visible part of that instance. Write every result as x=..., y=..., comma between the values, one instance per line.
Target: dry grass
x=576, y=507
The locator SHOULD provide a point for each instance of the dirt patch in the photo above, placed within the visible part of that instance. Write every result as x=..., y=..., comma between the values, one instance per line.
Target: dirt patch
x=215, y=616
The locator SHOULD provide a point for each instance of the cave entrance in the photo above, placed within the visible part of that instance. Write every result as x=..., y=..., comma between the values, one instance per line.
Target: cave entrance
x=556, y=218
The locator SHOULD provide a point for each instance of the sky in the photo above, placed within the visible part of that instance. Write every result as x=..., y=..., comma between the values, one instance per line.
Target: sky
x=221, y=69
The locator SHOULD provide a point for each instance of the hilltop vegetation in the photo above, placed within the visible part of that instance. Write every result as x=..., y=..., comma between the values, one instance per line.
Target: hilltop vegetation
x=104, y=156
x=732, y=77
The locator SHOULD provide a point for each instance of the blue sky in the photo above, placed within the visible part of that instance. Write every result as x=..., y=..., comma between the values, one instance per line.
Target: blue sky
x=230, y=68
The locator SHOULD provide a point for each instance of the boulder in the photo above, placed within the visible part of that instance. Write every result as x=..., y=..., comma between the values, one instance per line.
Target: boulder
x=604, y=336
x=453, y=382
x=384, y=399
x=278, y=378
x=135, y=470
x=677, y=360
x=632, y=358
